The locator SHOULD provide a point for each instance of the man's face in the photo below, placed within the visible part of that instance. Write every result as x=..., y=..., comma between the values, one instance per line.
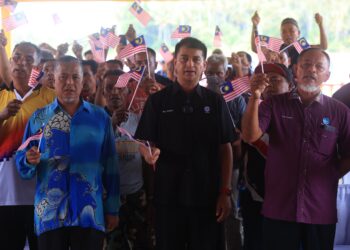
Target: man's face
x=215, y=69
x=48, y=79
x=89, y=82
x=215, y=73
x=277, y=85
x=24, y=57
x=289, y=33
x=68, y=82
x=189, y=66
x=115, y=97
x=141, y=60
x=312, y=71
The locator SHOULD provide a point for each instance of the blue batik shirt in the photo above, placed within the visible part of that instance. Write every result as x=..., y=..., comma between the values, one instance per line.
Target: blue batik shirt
x=77, y=177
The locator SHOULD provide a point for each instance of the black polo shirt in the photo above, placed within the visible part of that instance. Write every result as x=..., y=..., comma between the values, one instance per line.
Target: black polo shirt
x=188, y=129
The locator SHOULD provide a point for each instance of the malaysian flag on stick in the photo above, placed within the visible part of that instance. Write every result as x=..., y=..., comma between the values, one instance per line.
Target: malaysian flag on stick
x=124, y=78
x=135, y=46
x=97, y=52
x=301, y=44
x=181, y=32
x=108, y=38
x=271, y=43
x=231, y=90
x=37, y=136
x=56, y=19
x=165, y=53
x=35, y=76
x=261, y=55
x=140, y=13
x=217, y=37
x=14, y=21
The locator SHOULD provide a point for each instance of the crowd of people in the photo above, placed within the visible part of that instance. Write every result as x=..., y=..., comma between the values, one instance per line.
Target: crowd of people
x=164, y=162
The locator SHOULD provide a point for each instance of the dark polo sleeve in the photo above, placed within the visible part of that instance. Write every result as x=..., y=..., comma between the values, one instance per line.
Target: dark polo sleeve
x=228, y=133
x=148, y=125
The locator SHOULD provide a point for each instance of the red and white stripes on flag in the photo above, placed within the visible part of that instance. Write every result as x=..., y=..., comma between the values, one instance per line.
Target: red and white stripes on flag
x=37, y=136
x=271, y=43
x=34, y=77
x=125, y=78
x=111, y=40
x=261, y=55
x=97, y=52
x=140, y=13
x=14, y=21
x=217, y=37
x=165, y=53
x=240, y=86
x=138, y=45
x=182, y=31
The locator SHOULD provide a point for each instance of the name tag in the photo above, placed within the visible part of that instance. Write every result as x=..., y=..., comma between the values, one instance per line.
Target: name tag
x=287, y=117
x=167, y=111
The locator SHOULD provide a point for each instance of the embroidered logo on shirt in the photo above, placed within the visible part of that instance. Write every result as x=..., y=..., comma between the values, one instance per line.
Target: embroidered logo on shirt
x=207, y=109
x=326, y=120
x=168, y=111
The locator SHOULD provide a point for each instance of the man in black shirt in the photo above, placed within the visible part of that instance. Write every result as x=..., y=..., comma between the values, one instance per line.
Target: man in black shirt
x=190, y=129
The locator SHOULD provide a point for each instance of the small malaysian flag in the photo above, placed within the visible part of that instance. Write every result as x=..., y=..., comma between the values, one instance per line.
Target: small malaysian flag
x=217, y=37
x=56, y=19
x=231, y=90
x=301, y=44
x=181, y=32
x=37, y=136
x=261, y=55
x=165, y=53
x=135, y=46
x=124, y=78
x=271, y=43
x=14, y=21
x=97, y=52
x=35, y=77
x=95, y=38
x=108, y=38
x=140, y=13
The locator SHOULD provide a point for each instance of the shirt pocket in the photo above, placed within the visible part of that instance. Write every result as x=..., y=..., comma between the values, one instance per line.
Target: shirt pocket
x=327, y=140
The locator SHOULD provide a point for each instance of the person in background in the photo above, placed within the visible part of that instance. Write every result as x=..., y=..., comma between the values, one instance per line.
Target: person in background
x=18, y=101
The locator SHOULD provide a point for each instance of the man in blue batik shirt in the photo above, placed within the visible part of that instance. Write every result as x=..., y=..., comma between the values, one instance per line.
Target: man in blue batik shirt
x=77, y=191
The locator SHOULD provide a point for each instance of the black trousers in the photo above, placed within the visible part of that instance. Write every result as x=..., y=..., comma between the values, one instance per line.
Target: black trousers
x=16, y=225
x=252, y=221
x=71, y=238
x=285, y=235
x=186, y=228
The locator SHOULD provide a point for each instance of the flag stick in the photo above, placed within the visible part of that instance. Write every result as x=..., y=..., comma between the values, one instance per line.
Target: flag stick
x=149, y=72
x=137, y=86
x=233, y=123
x=43, y=126
x=286, y=48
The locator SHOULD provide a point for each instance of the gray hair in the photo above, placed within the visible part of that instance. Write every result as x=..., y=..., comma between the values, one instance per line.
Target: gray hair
x=218, y=59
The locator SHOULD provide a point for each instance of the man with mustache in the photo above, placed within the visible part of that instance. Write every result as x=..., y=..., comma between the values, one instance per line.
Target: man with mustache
x=75, y=163
x=309, y=150
x=17, y=103
x=190, y=129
